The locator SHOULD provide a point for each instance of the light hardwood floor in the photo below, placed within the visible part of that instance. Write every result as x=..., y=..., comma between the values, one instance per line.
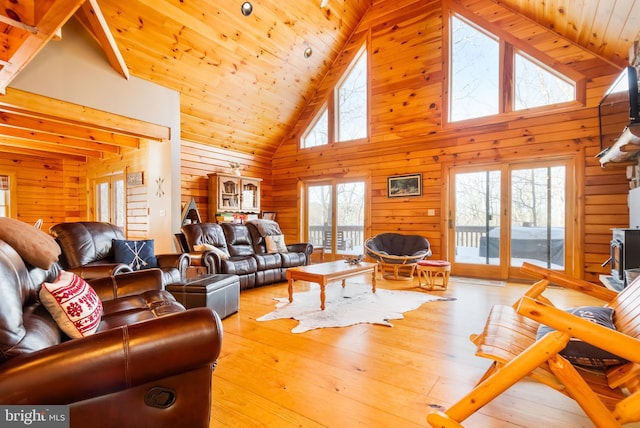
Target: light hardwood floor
x=373, y=376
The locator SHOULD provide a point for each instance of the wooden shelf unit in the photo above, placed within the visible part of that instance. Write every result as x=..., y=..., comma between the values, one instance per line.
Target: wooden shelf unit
x=233, y=194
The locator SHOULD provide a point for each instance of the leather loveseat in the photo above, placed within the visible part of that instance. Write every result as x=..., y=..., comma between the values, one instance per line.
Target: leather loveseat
x=87, y=250
x=241, y=250
x=149, y=363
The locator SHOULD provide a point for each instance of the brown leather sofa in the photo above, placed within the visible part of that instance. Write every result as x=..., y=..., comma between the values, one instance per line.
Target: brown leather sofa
x=245, y=253
x=87, y=250
x=149, y=364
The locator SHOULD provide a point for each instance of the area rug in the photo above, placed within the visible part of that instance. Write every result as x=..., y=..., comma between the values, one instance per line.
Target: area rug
x=354, y=304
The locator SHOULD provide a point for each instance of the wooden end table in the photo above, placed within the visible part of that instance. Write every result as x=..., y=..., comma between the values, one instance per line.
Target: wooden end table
x=324, y=273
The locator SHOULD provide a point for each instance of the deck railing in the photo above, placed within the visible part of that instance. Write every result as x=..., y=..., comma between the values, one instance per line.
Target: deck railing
x=466, y=236
x=319, y=235
x=469, y=236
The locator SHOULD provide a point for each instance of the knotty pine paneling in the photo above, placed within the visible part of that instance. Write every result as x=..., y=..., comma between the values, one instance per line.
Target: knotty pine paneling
x=408, y=134
x=50, y=189
x=197, y=160
x=137, y=204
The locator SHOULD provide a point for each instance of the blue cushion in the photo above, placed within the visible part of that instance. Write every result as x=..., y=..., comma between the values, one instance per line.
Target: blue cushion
x=136, y=254
x=583, y=353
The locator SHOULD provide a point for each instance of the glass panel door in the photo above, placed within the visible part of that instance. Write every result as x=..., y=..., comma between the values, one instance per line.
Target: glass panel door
x=350, y=218
x=102, y=201
x=335, y=216
x=319, y=217
x=477, y=217
x=501, y=216
x=538, y=216
x=110, y=200
x=118, y=202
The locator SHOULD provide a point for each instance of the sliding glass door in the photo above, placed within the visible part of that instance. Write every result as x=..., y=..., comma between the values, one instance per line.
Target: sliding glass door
x=503, y=215
x=335, y=216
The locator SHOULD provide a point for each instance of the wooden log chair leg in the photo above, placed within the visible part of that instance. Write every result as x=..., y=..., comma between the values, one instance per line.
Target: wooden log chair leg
x=628, y=410
x=515, y=370
x=582, y=392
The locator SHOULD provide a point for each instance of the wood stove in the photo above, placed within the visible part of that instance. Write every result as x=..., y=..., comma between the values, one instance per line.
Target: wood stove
x=625, y=252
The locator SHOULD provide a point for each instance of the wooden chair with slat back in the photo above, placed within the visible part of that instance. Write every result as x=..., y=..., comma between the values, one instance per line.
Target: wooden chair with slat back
x=609, y=396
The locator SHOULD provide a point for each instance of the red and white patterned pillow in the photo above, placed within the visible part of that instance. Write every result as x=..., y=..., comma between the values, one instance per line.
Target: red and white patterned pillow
x=73, y=304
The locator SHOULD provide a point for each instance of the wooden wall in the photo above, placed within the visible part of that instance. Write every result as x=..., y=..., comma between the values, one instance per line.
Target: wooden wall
x=53, y=190
x=408, y=133
x=137, y=204
x=197, y=160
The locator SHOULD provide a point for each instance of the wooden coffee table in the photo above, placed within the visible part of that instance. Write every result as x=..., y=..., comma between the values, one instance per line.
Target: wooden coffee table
x=324, y=273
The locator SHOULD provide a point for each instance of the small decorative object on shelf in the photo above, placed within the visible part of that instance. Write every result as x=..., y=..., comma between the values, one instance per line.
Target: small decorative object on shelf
x=235, y=166
x=354, y=260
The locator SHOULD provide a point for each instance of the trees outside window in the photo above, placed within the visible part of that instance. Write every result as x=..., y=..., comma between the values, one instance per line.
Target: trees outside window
x=536, y=86
x=347, y=117
x=352, y=102
x=475, y=74
x=318, y=134
x=488, y=76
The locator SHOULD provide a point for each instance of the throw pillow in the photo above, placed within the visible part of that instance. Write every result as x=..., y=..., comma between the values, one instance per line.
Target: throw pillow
x=36, y=247
x=208, y=247
x=275, y=244
x=73, y=304
x=582, y=353
x=137, y=255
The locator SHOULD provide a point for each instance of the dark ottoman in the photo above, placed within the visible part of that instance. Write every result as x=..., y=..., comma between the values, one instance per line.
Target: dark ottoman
x=220, y=292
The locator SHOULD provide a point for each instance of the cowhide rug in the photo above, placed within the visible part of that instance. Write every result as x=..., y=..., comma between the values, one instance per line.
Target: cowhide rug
x=354, y=304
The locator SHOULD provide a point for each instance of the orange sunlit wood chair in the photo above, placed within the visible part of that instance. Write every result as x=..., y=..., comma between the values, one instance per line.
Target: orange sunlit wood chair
x=609, y=396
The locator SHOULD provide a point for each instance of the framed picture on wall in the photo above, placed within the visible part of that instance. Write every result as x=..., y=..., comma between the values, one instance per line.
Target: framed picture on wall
x=135, y=179
x=269, y=215
x=400, y=186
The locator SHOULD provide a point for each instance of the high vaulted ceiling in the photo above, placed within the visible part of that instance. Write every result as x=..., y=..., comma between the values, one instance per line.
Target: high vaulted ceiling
x=243, y=80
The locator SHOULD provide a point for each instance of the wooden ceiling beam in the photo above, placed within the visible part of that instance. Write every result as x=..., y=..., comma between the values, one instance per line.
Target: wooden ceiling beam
x=92, y=19
x=60, y=127
x=29, y=103
x=47, y=148
x=60, y=142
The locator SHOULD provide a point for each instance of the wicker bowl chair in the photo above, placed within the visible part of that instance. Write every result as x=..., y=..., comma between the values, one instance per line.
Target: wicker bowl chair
x=397, y=254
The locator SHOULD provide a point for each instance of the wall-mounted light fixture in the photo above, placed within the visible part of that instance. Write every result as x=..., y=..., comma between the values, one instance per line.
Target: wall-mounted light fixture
x=246, y=8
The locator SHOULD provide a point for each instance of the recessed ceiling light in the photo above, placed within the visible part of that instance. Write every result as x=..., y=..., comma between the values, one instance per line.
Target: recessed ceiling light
x=308, y=52
x=246, y=8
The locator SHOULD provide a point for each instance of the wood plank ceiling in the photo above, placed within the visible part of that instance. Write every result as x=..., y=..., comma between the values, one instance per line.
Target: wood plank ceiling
x=243, y=79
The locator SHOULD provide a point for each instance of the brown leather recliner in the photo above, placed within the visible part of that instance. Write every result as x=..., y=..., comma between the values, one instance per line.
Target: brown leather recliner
x=149, y=364
x=87, y=250
x=245, y=253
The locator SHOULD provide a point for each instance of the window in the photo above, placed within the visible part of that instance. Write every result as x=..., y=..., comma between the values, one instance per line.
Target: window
x=352, y=102
x=536, y=86
x=349, y=114
x=475, y=60
x=5, y=196
x=488, y=76
x=110, y=200
x=318, y=135
x=335, y=216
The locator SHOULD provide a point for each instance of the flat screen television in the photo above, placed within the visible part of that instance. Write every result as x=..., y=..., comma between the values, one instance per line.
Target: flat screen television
x=619, y=107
